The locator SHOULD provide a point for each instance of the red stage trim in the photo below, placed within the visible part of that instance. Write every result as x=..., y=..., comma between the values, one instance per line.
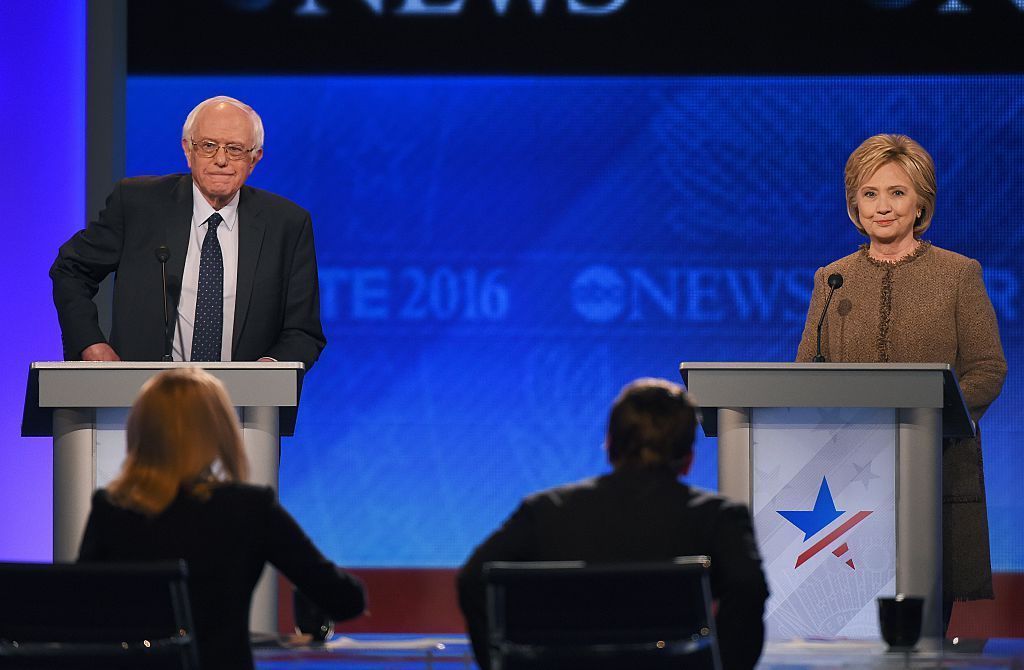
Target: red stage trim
x=422, y=600
x=402, y=600
x=1002, y=617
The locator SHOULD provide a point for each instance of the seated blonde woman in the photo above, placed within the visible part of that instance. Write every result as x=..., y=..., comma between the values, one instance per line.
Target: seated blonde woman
x=181, y=494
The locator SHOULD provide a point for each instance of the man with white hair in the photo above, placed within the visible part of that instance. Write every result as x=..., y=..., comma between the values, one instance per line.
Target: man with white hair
x=240, y=262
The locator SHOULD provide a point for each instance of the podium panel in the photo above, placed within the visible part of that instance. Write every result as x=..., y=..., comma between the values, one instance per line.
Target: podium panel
x=824, y=508
x=840, y=465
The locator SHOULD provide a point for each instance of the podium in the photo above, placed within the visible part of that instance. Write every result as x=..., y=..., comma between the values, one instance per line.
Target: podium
x=84, y=407
x=841, y=466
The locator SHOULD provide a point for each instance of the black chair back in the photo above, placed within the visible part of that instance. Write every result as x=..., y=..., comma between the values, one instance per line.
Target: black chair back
x=96, y=615
x=567, y=615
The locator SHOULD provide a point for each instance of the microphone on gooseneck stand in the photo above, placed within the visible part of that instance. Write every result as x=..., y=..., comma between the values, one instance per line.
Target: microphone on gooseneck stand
x=835, y=280
x=162, y=254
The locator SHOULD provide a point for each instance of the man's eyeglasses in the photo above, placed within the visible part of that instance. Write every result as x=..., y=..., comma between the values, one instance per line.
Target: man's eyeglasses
x=209, y=149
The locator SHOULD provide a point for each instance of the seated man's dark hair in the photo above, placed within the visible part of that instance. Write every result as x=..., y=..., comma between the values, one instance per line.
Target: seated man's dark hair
x=652, y=423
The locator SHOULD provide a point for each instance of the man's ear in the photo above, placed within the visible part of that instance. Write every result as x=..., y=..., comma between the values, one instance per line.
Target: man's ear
x=608, y=454
x=256, y=157
x=684, y=469
x=187, y=148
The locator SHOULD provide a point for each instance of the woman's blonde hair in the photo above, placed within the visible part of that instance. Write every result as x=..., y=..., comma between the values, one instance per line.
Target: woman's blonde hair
x=183, y=434
x=880, y=150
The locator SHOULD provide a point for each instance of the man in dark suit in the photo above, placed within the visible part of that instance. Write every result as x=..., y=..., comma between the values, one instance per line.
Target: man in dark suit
x=638, y=512
x=241, y=266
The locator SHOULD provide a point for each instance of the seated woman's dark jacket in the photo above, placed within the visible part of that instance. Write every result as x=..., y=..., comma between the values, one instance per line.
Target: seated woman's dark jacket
x=226, y=540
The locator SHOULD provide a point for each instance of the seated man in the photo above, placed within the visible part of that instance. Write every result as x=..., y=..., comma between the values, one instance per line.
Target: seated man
x=638, y=512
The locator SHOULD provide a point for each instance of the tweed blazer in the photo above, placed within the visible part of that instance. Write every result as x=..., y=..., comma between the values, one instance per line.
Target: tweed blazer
x=929, y=307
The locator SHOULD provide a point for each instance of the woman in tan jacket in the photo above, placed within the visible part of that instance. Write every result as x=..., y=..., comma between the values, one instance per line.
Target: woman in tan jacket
x=904, y=300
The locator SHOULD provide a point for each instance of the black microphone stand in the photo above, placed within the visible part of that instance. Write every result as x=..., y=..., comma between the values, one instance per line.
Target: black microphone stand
x=162, y=254
x=835, y=280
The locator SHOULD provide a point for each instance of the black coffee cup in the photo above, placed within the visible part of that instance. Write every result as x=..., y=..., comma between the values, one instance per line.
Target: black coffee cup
x=900, y=621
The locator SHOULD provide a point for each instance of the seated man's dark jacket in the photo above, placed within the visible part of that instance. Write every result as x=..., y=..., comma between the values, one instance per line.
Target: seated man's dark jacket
x=225, y=540
x=633, y=514
x=277, y=303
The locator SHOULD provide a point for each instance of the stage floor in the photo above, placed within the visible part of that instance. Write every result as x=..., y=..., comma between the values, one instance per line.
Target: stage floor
x=419, y=652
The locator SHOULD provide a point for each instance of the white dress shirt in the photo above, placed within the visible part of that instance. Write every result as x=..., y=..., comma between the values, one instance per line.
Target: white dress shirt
x=227, y=236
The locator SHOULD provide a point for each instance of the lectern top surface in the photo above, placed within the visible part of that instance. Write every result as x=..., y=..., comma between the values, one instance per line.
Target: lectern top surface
x=897, y=385
x=812, y=366
x=159, y=365
x=96, y=384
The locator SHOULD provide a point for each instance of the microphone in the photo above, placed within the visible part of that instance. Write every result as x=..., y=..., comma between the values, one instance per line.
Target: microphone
x=835, y=280
x=162, y=254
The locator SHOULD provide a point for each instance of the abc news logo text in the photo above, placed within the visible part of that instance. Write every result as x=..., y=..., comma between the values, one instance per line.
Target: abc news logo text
x=444, y=7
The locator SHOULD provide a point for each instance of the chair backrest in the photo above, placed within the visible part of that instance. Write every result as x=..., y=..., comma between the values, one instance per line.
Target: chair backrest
x=96, y=615
x=570, y=614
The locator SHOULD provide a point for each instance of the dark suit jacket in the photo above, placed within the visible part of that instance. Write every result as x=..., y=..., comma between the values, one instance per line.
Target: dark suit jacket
x=277, y=308
x=225, y=540
x=634, y=514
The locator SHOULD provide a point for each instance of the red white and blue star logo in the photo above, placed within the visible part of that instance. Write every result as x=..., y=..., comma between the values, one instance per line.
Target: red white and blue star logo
x=813, y=521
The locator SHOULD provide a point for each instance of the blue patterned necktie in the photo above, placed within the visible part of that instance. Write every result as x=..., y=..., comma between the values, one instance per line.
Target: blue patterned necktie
x=208, y=327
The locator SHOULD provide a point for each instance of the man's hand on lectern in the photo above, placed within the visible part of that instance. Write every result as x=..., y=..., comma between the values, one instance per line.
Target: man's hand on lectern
x=101, y=351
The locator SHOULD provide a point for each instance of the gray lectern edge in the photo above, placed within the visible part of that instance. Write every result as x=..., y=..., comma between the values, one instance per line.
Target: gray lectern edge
x=87, y=384
x=899, y=385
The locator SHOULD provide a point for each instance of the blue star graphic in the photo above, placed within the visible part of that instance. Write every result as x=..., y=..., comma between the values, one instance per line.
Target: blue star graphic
x=812, y=521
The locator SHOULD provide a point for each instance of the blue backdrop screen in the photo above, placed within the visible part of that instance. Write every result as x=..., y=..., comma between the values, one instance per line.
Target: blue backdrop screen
x=498, y=256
